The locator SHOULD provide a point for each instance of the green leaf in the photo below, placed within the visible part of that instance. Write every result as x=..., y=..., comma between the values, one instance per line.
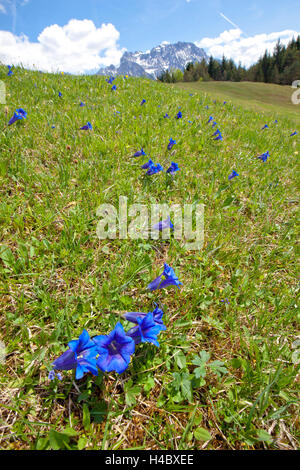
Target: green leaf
x=58, y=440
x=82, y=442
x=264, y=436
x=180, y=359
x=182, y=384
x=149, y=384
x=131, y=392
x=42, y=443
x=200, y=372
x=86, y=420
x=218, y=368
x=202, y=434
x=202, y=358
x=186, y=387
x=7, y=256
x=201, y=361
x=69, y=432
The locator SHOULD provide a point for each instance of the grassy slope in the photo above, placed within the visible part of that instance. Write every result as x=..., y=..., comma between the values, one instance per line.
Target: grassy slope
x=58, y=278
x=265, y=97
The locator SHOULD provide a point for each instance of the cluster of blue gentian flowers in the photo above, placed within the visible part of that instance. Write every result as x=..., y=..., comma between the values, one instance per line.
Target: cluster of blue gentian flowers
x=110, y=81
x=152, y=168
x=113, y=352
x=217, y=134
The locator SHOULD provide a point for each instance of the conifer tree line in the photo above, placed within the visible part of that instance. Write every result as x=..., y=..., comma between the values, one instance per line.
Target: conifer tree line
x=281, y=67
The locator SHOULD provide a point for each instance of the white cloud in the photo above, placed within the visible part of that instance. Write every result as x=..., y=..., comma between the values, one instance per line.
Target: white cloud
x=77, y=47
x=246, y=50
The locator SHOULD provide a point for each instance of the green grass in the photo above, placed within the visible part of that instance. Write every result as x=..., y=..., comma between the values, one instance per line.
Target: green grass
x=224, y=376
x=263, y=97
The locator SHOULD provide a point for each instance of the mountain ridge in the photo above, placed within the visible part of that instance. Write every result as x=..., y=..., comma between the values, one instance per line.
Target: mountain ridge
x=152, y=63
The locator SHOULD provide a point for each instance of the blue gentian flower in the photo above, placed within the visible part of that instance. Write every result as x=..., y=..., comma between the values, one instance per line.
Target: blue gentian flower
x=10, y=72
x=219, y=135
x=81, y=356
x=265, y=127
x=113, y=88
x=147, y=165
x=179, y=115
x=167, y=278
x=157, y=316
x=166, y=116
x=171, y=143
x=214, y=124
x=87, y=127
x=59, y=94
x=210, y=119
x=18, y=115
x=264, y=156
x=154, y=169
x=139, y=153
x=218, y=132
x=294, y=133
x=233, y=174
x=142, y=102
x=114, y=350
x=206, y=107
x=146, y=331
x=82, y=104
x=174, y=167
x=110, y=80
x=164, y=224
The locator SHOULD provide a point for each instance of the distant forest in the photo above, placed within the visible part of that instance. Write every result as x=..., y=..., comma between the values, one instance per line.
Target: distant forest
x=281, y=67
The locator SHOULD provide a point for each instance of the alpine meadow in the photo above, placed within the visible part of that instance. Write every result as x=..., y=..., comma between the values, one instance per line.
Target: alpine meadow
x=135, y=342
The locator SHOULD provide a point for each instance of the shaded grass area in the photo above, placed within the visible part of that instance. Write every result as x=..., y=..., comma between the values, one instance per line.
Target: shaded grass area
x=263, y=97
x=225, y=374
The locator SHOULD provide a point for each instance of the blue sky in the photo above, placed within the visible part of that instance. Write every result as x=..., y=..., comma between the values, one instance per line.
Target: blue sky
x=221, y=26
